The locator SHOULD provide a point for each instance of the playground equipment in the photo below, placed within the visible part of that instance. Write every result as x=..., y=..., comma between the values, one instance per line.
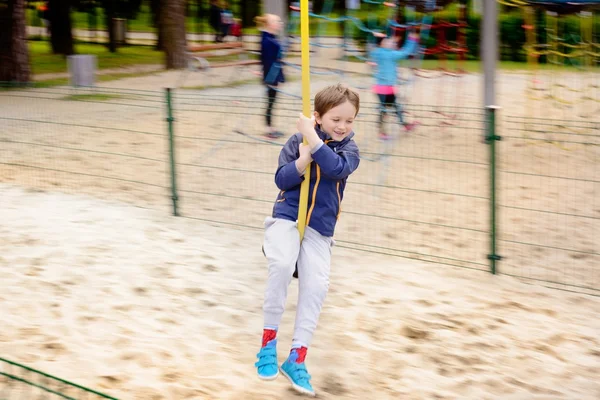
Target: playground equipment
x=562, y=54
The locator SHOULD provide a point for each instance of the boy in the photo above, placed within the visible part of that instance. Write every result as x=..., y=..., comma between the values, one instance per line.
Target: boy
x=334, y=156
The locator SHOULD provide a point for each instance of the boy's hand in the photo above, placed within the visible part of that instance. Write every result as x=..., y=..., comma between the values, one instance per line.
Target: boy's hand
x=305, y=154
x=305, y=125
x=304, y=159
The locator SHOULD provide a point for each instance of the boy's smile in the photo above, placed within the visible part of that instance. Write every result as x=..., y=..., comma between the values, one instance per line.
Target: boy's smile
x=338, y=121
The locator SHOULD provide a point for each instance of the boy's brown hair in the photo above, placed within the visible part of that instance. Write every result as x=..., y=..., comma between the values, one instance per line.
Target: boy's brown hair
x=334, y=95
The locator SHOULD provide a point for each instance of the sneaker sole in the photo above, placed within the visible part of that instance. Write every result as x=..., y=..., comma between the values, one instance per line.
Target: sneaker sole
x=269, y=378
x=297, y=388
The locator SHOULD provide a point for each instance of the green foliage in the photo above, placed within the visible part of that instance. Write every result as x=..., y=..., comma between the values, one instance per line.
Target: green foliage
x=511, y=36
x=43, y=61
x=91, y=97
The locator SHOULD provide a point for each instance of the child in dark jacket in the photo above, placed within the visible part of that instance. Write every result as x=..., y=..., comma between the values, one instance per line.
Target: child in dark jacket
x=215, y=20
x=332, y=155
x=226, y=19
x=270, y=57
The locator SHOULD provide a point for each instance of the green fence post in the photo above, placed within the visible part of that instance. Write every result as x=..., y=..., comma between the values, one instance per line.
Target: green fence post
x=171, y=121
x=491, y=138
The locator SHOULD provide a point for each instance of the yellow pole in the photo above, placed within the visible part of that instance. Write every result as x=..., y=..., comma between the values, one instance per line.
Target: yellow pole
x=304, y=36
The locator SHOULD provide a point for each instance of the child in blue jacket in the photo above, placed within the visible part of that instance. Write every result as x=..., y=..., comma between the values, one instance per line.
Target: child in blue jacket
x=333, y=156
x=386, y=56
x=270, y=58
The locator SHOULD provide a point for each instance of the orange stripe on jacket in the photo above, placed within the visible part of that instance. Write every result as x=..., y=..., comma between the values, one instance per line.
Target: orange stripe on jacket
x=314, y=195
x=337, y=188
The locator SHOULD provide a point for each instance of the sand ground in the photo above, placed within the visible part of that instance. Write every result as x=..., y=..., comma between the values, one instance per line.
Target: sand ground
x=105, y=288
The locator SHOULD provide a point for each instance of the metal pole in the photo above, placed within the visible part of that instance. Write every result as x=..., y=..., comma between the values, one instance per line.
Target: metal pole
x=170, y=122
x=489, y=50
x=489, y=53
x=491, y=138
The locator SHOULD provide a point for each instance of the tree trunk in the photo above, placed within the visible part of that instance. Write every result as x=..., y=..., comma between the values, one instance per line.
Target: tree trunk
x=172, y=23
x=248, y=11
x=155, y=9
x=110, y=14
x=61, y=37
x=14, y=54
x=199, y=15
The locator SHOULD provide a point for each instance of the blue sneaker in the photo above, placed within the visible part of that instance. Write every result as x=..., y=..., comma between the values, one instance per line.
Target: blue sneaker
x=297, y=375
x=267, y=361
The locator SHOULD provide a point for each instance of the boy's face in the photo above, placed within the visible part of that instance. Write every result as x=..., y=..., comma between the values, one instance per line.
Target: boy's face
x=338, y=121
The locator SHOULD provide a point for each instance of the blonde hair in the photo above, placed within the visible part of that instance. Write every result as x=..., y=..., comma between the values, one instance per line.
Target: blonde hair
x=334, y=95
x=262, y=21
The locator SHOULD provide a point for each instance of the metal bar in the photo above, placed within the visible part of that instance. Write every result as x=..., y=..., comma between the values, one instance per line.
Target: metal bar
x=491, y=139
x=170, y=121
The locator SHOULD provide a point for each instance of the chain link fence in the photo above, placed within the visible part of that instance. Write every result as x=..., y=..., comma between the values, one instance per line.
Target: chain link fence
x=521, y=201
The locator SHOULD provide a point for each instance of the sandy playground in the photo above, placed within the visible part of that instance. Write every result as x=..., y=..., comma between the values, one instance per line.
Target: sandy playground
x=146, y=306
x=103, y=287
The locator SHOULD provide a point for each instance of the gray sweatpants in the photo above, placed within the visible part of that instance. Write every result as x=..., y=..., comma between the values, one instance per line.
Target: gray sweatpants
x=282, y=248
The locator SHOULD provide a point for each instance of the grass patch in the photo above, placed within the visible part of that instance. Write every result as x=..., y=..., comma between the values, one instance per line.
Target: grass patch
x=51, y=83
x=48, y=83
x=91, y=97
x=34, y=85
x=43, y=61
x=122, y=75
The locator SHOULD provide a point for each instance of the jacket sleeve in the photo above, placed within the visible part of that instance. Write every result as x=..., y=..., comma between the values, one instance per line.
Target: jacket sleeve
x=337, y=166
x=406, y=50
x=287, y=175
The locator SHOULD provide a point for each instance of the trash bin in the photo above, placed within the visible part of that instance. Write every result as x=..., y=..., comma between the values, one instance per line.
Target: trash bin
x=353, y=4
x=120, y=27
x=82, y=69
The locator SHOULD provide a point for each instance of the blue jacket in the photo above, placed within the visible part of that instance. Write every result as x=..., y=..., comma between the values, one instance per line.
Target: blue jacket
x=386, y=60
x=270, y=58
x=332, y=163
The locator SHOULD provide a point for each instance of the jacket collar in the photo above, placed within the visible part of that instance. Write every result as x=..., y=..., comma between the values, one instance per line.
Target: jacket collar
x=326, y=138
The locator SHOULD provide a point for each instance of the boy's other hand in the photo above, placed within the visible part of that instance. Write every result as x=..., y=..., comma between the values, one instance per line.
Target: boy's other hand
x=305, y=125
